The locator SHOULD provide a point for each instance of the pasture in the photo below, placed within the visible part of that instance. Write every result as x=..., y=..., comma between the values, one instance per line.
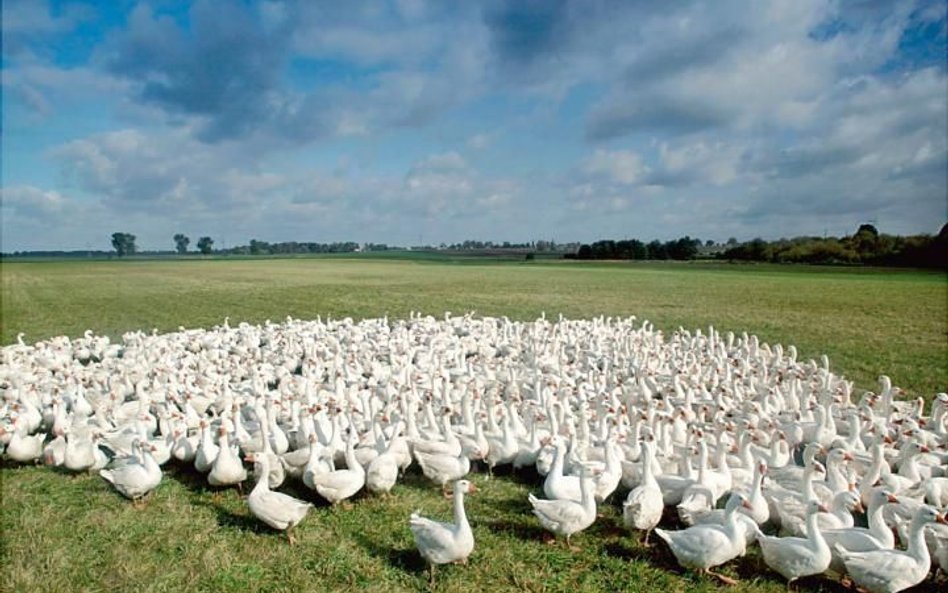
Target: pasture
x=75, y=533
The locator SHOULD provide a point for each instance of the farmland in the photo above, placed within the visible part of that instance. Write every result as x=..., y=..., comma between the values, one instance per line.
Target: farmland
x=74, y=533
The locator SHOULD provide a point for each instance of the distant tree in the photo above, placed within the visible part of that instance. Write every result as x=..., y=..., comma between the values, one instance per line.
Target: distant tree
x=261, y=247
x=683, y=248
x=866, y=242
x=124, y=243
x=731, y=242
x=709, y=243
x=205, y=245
x=656, y=250
x=181, y=243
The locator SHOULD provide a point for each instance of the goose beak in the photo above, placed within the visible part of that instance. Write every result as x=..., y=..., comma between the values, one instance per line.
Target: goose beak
x=249, y=458
x=941, y=519
x=892, y=499
x=847, y=456
x=472, y=489
x=859, y=508
x=747, y=505
x=924, y=449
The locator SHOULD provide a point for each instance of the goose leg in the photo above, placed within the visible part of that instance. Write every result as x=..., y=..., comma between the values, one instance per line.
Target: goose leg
x=721, y=577
x=645, y=541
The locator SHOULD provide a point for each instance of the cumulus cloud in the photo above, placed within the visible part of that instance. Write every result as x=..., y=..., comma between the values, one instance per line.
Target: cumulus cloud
x=620, y=166
x=26, y=201
x=225, y=69
x=170, y=173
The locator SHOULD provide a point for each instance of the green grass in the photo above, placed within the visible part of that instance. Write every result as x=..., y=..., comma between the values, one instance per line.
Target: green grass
x=867, y=321
x=63, y=533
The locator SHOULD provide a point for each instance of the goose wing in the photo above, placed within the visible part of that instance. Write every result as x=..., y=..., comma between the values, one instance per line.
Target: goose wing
x=557, y=515
x=432, y=538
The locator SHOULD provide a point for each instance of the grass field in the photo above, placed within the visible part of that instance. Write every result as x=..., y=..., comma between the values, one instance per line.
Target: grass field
x=63, y=533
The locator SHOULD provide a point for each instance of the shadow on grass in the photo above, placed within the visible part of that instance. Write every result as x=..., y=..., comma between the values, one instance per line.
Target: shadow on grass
x=405, y=560
x=526, y=531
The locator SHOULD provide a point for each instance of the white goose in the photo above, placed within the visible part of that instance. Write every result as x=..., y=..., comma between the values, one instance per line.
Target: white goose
x=795, y=557
x=758, y=514
x=557, y=486
x=860, y=539
x=564, y=516
x=443, y=468
x=702, y=547
x=134, y=479
x=23, y=447
x=279, y=511
x=889, y=571
x=643, y=506
x=227, y=469
x=80, y=452
x=207, y=450
x=441, y=543
x=382, y=472
x=341, y=484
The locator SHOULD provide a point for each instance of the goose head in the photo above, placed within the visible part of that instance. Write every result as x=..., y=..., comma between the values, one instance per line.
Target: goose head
x=463, y=486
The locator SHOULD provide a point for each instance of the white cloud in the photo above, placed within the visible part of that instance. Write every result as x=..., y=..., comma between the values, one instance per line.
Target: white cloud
x=26, y=201
x=619, y=166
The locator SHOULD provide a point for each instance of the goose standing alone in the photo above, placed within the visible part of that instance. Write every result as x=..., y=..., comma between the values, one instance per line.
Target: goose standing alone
x=443, y=543
x=279, y=511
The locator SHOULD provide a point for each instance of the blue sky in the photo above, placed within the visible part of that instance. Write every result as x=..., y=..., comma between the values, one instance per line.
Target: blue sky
x=413, y=121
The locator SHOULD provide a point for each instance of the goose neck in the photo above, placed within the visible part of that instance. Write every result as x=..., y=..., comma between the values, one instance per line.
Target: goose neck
x=262, y=485
x=460, y=516
x=878, y=527
x=917, y=548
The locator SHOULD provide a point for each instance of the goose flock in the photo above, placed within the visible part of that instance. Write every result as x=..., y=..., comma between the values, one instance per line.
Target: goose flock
x=715, y=442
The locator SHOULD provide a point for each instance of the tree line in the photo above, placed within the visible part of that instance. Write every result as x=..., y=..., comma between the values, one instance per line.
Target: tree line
x=679, y=249
x=864, y=247
x=867, y=246
x=124, y=244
